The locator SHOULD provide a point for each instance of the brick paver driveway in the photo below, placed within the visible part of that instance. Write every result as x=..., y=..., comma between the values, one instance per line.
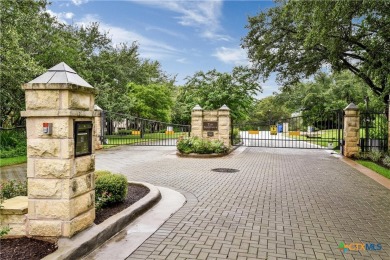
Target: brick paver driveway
x=282, y=204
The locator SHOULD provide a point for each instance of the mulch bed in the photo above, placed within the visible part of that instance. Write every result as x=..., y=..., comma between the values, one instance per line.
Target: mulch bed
x=33, y=249
x=135, y=193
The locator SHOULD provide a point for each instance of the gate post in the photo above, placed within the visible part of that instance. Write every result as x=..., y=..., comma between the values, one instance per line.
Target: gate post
x=351, y=130
x=99, y=127
x=60, y=152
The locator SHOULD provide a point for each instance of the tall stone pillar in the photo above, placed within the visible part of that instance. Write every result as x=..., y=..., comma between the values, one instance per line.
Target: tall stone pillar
x=98, y=125
x=224, y=125
x=351, y=130
x=60, y=151
x=196, y=121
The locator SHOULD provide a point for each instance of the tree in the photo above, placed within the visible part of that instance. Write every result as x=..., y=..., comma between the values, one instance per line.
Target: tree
x=297, y=39
x=269, y=110
x=152, y=101
x=213, y=89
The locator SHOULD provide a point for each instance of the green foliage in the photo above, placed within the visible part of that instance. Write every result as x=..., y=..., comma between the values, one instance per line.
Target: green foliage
x=98, y=174
x=200, y=146
x=32, y=41
x=375, y=156
x=152, y=101
x=12, y=188
x=12, y=143
x=213, y=89
x=110, y=188
x=386, y=161
x=124, y=132
x=375, y=167
x=236, y=136
x=4, y=231
x=297, y=39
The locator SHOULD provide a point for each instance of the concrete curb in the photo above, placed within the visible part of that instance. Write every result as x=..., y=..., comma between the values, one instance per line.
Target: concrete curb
x=368, y=172
x=213, y=155
x=91, y=238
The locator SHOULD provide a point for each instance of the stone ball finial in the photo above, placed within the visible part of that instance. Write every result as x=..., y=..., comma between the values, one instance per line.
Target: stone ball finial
x=224, y=107
x=197, y=107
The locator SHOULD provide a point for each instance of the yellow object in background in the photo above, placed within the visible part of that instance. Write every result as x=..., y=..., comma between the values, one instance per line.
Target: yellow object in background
x=136, y=132
x=273, y=130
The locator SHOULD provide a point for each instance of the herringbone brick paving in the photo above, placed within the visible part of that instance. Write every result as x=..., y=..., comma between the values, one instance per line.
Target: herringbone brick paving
x=282, y=204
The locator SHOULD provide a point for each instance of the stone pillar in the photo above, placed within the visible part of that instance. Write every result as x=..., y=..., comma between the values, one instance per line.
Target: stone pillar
x=98, y=127
x=220, y=119
x=61, y=193
x=351, y=130
x=224, y=125
x=196, y=121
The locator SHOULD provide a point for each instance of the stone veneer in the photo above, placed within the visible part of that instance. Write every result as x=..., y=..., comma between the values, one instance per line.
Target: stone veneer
x=351, y=130
x=222, y=116
x=61, y=192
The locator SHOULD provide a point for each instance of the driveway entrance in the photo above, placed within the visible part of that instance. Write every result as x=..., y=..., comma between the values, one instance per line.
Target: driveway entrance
x=281, y=204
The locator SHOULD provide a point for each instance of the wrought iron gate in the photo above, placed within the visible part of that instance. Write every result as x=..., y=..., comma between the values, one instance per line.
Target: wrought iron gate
x=121, y=129
x=373, y=131
x=303, y=132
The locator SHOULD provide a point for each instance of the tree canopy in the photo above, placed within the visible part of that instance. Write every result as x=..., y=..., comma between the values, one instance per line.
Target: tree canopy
x=32, y=41
x=213, y=89
x=297, y=39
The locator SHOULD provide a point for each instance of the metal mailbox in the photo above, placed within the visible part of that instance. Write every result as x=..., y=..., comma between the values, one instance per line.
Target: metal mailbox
x=82, y=138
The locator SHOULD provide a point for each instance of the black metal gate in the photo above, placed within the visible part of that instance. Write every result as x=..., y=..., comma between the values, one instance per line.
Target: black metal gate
x=302, y=132
x=121, y=129
x=373, y=131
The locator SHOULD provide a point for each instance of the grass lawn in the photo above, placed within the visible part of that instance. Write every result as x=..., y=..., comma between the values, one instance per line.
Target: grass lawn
x=375, y=167
x=13, y=160
x=132, y=139
x=322, y=139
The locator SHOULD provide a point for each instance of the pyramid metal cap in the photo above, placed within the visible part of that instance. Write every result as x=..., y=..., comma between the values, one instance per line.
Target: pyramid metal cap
x=97, y=108
x=197, y=107
x=224, y=107
x=351, y=106
x=61, y=74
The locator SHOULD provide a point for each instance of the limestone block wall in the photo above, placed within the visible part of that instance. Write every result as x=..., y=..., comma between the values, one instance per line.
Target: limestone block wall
x=61, y=192
x=221, y=116
x=351, y=130
x=13, y=215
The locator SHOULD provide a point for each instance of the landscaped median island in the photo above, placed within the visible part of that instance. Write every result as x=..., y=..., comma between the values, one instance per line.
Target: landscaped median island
x=113, y=194
x=195, y=146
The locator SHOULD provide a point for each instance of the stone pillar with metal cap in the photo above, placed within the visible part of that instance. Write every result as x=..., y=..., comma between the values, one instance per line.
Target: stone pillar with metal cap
x=99, y=120
x=224, y=124
x=60, y=151
x=196, y=121
x=351, y=130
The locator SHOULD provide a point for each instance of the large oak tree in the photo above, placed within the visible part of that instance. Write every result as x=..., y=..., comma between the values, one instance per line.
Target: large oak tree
x=297, y=39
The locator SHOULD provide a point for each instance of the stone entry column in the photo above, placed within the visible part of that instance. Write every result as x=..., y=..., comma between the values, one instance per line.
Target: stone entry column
x=61, y=192
x=351, y=130
x=212, y=124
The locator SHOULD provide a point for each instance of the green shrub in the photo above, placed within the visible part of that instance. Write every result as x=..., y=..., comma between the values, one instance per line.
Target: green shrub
x=386, y=161
x=374, y=156
x=98, y=174
x=110, y=189
x=124, y=132
x=236, y=136
x=200, y=146
x=12, y=188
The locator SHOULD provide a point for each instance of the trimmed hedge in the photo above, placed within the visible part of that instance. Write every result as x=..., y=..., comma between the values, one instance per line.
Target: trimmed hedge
x=110, y=188
x=200, y=146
